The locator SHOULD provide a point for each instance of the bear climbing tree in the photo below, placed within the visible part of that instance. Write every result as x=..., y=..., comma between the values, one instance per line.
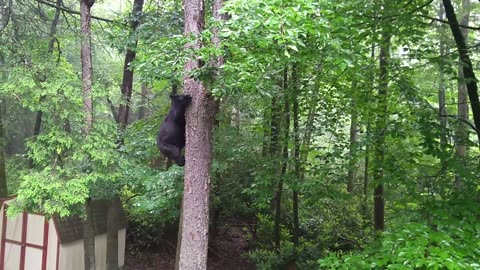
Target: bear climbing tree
x=171, y=136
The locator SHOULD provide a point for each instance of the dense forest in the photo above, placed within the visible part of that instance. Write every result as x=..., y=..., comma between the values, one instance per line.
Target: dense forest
x=320, y=134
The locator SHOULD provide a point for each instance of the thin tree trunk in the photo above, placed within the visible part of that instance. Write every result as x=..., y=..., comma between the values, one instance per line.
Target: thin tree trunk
x=3, y=172
x=366, y=176
x=266, y=131
x=217, y=63
x=275, y=127
x=296, y=148
x=123, y=114
x=380, y=127
x=5, y=12
x=441, y=86
x=352, y=164
x=461, y=132
x=127, y=82
x=199, y=134
x=87, y=70
x=468, y=72
x=112, y=233
x=142, y=111
x=39, y=114
x=278, y=195
x=87, y=74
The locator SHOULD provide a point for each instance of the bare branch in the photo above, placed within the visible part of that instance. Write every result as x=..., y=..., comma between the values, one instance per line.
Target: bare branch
x=71, y=11
x=446, y=22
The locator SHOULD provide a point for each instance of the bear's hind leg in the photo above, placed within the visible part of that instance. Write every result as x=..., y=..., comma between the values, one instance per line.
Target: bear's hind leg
x=172, y=152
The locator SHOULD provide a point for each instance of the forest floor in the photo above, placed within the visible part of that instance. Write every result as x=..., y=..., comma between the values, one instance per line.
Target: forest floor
x=226, y=253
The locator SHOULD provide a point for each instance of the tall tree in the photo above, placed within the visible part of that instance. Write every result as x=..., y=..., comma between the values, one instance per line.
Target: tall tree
x=352, y=163
x=127, y=82
x=87, y=80
x=3, y=173
x=461, y=132
x=380, y=129
x=123, y=115
x=278, y=193
x=51, y=44
x=199, y=135
x=296, y=155
x=441, y=85
x=467, y=67
x=5, y=13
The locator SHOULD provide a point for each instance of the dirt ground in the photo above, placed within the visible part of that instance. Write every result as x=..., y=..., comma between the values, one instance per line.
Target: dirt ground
x=225, y=254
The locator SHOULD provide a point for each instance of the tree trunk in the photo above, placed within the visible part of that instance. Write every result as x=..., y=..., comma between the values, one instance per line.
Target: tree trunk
x=380, y=127
x=112, y=233
x=87, y=74
x=461, y=132
x=142, y=111
x=4, y=19
x=127, y=82
x=123, y=114
x=89, y=237
x=442, y=108
x=278, y=194
x=5, y=12
x=53, y=31
x=199, y=134
x=468, y=72
x=352, y=164
x=366, y=176
x=266, y=131
x=87, y=70
x=296, y=148
x=3, y=173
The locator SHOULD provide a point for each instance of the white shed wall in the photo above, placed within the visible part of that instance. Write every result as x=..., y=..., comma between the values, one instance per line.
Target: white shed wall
x=122, y=236
x=52, y=246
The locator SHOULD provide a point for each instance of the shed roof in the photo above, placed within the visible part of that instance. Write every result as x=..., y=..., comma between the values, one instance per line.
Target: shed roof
x=71, y=228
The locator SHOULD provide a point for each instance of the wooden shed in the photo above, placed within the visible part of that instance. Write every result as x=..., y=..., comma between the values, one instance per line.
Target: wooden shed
x=31, y=242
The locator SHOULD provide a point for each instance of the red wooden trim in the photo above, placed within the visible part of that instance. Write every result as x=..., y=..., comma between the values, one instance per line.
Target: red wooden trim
x=4, y=234
x=23, y=244
x=58, y=253
x=24, y=240
x=45, y=244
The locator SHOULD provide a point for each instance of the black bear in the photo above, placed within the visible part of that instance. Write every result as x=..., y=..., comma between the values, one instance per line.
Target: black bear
x=171, y=136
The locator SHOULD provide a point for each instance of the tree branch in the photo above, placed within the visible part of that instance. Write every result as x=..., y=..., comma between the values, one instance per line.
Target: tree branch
x=114, y=111
x=71, y=11
x=462, y=120
x=446, y=22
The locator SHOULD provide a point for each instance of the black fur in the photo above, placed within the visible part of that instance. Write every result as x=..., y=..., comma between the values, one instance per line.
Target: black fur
x=171, y=136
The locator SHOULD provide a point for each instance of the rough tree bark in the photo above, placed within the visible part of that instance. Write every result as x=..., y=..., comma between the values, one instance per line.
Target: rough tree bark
x=468, y=72
x=199, y=134
x=87, y=80
x=380, y=129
